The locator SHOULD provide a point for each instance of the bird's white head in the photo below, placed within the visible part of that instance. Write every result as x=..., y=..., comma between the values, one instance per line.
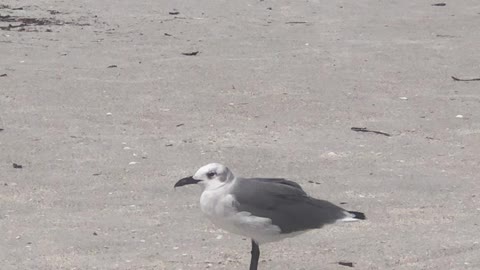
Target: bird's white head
x=210, y=176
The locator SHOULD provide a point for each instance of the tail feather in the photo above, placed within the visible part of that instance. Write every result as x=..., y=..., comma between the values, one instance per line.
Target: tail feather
x=358, y=215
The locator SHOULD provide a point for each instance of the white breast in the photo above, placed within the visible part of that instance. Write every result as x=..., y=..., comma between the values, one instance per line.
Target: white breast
x=218, y=205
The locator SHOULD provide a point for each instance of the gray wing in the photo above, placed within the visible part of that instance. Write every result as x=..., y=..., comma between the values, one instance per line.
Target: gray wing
x=285, y=203
x=279, y=181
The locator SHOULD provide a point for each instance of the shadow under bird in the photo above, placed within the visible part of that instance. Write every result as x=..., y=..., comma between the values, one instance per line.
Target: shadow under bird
x=263, y=209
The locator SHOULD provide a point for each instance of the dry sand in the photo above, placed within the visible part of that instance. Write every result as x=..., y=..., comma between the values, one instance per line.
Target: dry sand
x=104, y=113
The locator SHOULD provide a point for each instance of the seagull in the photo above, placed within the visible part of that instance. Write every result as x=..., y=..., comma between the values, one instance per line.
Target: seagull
x=262, y=209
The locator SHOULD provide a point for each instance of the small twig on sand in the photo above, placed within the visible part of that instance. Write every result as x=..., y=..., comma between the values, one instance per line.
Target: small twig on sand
x=191, y=53
x=362, y=129
x=296, y=22
x=465, y=80
x=349, y=264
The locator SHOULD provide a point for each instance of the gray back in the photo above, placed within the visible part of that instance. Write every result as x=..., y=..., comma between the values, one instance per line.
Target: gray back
x=285, y=203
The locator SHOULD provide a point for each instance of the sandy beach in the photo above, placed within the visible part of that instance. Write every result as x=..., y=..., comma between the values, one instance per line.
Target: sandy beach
x=104, y=105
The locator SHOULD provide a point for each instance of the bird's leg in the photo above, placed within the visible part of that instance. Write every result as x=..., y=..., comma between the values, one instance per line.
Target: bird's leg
x=255, y=255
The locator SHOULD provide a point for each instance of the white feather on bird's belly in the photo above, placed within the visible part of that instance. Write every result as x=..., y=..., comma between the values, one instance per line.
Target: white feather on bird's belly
x=220, y=209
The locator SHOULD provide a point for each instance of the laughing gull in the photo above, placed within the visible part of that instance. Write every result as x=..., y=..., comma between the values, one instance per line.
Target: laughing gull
x=263, y=209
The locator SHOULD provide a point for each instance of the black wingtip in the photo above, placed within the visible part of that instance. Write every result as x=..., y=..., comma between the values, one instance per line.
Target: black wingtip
x=358, y=215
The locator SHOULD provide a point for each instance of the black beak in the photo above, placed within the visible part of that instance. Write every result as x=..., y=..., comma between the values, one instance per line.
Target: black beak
x=186, y=181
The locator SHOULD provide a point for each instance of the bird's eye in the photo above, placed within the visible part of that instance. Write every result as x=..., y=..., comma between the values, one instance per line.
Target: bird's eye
x=211, y=174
